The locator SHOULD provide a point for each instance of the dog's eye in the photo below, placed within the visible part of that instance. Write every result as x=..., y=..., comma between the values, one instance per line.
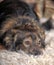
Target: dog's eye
x=27, y=42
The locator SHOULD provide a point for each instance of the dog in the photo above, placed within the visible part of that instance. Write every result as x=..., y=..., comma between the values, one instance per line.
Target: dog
x=19, y=28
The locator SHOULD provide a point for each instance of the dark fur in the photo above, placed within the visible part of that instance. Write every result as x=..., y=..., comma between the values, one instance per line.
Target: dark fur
x=20, y=32
x=26, y=32
x=21, y=40
x=15, y=8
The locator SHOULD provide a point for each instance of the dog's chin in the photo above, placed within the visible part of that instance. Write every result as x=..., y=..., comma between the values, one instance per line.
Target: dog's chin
x=37, y=52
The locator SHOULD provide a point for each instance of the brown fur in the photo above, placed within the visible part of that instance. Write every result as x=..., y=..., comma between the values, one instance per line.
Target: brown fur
x=19, y=28
x=27, y=36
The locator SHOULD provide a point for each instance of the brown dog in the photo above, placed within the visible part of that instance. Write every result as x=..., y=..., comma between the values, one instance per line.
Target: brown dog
x=25, y=34
x=19, y=28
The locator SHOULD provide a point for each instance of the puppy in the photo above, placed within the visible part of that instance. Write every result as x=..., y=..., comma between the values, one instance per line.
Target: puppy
x=25, y=34
x=19, y=28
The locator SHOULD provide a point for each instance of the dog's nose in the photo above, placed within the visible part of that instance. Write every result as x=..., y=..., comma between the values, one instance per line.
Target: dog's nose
x=37, y=52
